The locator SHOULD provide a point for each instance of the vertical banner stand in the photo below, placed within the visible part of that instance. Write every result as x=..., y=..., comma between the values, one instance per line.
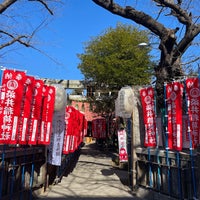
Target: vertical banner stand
x=3, y=152
x=157, y=144
x=2, y=170
x=130, y=157
x=13, y=173
x=32, y=174
x=179, y=174
x=23, y=174
x=166, y=142
x=24, y=157
x=150, y=170
x=191, y=148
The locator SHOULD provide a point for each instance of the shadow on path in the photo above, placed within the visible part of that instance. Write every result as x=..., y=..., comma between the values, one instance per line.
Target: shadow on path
x=98, y=152
x=91, y=175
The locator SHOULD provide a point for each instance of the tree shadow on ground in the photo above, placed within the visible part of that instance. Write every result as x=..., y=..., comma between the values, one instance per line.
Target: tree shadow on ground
x=115, y=168
x=122, y=174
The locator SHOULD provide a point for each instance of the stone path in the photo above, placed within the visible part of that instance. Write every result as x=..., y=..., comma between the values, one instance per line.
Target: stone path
x=93, y=177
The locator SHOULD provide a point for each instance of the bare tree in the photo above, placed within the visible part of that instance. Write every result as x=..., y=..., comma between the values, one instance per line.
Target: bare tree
x=9, y=34
x=172, y=45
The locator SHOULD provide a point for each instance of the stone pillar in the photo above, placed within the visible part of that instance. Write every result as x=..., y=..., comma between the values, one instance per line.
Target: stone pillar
x=137, y=133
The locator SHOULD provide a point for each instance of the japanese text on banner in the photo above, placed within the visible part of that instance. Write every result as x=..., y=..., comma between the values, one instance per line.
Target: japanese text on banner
x=10, y=105
x=122, y=138
x=193, y=101
x=26, y=110
x=174, y=92
x=47, y=115
x=36, y=107
x=147, y=99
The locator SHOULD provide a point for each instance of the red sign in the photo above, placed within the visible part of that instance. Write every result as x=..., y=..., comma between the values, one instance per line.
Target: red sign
x=26, y=109
x=193, y=101
x=47, y=115
x=147, y=99
x=174, y=94
x=11, y=100
x=36, y=108
x=68, y=145
x=123, y=155
x=74, y=130
x=99, y=127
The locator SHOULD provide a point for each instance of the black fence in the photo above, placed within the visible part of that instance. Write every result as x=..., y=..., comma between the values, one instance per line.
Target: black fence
x=24, y=171
x=172, y=173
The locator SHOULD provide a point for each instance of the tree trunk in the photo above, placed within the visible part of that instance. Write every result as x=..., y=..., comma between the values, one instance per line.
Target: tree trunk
x=169, y=68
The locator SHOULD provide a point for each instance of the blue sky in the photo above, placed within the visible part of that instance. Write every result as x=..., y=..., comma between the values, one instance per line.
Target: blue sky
x=62, y=40
x=73, y=24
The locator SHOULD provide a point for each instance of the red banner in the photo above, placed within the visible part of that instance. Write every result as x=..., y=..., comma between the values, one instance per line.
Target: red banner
x=36, y=107
x=147, y=99
x=11, y=101
x=123, y=155
x=47, y=115
x=67, y=145
x=74, y=130
x=81, y=119
x=26, y=110
x=99, y=128
x=193, y=101
x=174, y=94
x=85, y=127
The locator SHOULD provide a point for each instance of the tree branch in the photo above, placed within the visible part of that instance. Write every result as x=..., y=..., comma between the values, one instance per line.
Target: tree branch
x=176, y=11
x=137, y=16
x=182, y=46
x=14, y=39
x=191, y=61
x=167, y=36
x=26, y=44
x=45, y=5
x=6, y=4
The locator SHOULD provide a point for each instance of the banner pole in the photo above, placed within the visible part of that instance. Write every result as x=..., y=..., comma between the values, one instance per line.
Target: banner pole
x=32, y=174
x=13, y=173
x=130, y=156
x=166, y=141
x=23, y=174
x=2, y=170
x=150, y=170
x=179, y=174
x=191, y=146
x=4, y=146
x=157, y=143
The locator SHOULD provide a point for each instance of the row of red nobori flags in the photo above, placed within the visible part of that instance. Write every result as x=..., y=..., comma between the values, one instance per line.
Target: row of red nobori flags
x=69, y=129
x=182, y=131
x=26, y=109
x=75, y=129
